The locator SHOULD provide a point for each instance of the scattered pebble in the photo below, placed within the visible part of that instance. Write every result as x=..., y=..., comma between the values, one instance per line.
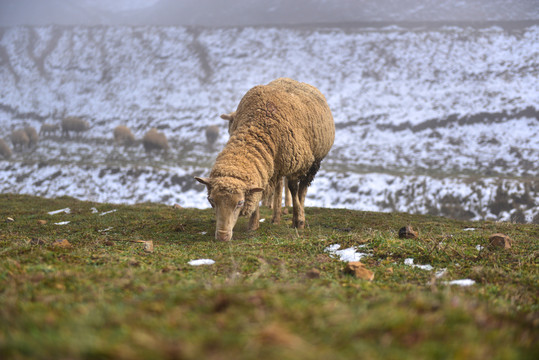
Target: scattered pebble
x=177, y=207
x=201, y=262
x=66, y=210
x=62, y=223
x=62, y=243
x=41, y=222
x=148, y=246
x=313, y=274
x=10, y=219
x=500, y=241
x=359, y=270
x=407, y=232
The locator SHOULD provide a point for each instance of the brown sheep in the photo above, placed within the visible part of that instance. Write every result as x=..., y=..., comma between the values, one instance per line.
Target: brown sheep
x=212, y=133
x=20, y=139
x=281, y=129
x=5, y=151
x=75, y=124
x=47, y=129
x=123, y=136
x=154, y=140
x=32, y=135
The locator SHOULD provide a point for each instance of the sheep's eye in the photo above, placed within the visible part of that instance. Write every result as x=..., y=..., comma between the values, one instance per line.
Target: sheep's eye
x=240, y=203
x=212, y=203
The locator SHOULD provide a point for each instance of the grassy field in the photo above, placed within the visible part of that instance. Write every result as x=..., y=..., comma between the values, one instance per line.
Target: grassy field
x=273, y=293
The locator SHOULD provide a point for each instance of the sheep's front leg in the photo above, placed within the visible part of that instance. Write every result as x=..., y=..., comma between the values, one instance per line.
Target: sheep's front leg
x=254, y=220
x=277, y=201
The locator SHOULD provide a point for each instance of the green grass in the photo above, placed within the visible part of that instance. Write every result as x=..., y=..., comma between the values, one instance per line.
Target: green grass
x=106, y=298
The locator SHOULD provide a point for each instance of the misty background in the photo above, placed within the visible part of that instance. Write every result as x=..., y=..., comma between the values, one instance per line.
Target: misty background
x=436, y=102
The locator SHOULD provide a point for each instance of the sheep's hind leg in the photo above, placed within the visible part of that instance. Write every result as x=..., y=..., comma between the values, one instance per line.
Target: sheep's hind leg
x=298, y=215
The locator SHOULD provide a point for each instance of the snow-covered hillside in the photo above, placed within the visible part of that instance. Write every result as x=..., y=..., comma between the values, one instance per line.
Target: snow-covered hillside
x=442, y=121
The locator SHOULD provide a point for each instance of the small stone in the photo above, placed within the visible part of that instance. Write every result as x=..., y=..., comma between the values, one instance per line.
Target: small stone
x=62, y=243
x=313, y=274
x=359, y=270
x=407, y=232
x=500, y=241
x=109, y=243
x=41, y=222
x=10, y=220
x=177, y=207
x=148, y=246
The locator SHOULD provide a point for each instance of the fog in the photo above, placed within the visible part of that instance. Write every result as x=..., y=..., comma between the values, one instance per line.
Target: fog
x=258, y=12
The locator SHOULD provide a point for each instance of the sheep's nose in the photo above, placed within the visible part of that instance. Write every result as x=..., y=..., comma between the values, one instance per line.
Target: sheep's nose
x=223, y=235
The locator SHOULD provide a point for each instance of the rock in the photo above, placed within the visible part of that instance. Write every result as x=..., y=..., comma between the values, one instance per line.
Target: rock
x=407, y=232
x=41, y=222
x=500, y=241
x=177, y=207
x=313, y=274
x=359, y=270
x=148, y=246
x=62, y=243
x=9, y=220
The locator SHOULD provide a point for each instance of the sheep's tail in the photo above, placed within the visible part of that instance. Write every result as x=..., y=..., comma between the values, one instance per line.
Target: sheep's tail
x=308, y=178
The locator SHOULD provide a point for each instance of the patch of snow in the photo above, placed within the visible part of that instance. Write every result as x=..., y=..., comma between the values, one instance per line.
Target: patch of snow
x=62, y=223
x=262, y=220
x=201, y=262
x=469, y=229
x=203, y=232
x=410, y=262
x=461, y=282
x=66, y=210
x=94, y=210
x=479, y=247
x=347, y=255
x=440, y=273
x=108, y=212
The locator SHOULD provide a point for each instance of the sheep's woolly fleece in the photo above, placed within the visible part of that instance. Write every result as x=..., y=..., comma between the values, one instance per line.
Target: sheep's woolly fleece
x=279, y=129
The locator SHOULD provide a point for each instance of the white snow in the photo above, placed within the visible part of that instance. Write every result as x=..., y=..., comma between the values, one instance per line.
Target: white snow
x=201, y=262
x=108, y=212
x=461, y=282
x=347, y=255
x=62, y=223
x=66, y=210
x=410, y=262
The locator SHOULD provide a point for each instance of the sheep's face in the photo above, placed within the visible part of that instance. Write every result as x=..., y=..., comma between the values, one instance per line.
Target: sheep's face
x=227, y=204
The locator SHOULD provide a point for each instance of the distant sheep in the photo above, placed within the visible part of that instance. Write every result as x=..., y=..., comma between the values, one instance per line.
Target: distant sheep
x=212, y=133
x=32, y=135
x=154, y=140
x=5, y=151
x=20, y=139
x=47, y=129
x=75, y=124
x=283, y=129
x=123, y=136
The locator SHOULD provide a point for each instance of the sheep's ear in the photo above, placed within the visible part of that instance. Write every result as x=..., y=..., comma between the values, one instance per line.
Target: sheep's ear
x=205, y=181
x=255, y=190
x=227, y=117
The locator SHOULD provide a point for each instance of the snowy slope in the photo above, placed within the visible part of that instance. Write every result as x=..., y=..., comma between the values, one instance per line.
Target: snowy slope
x=428, y=120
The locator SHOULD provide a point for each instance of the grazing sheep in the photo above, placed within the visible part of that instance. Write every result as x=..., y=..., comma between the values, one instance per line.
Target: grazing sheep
x=47, y=129
x=123, y=136
x=212, y=133
x=32, y=135
x=154, y=140
x=5, y=151
x=281, y=129
x=75, y=124
x=20, y=139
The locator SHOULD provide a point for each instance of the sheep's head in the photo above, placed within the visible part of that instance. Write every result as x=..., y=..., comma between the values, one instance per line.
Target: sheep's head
x=229, y=197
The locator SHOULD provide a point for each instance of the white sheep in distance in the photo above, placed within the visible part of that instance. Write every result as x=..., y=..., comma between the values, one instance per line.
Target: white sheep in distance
x=75, y=124
x=123, y=135
x=155, y=140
